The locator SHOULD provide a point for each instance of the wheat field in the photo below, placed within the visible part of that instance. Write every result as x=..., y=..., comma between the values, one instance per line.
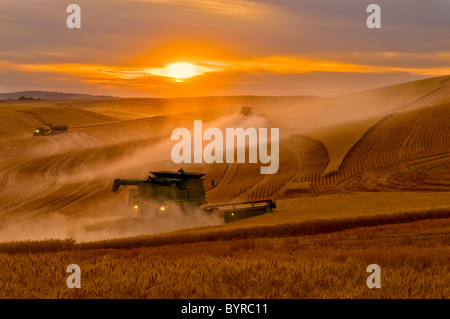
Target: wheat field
x=414, y=260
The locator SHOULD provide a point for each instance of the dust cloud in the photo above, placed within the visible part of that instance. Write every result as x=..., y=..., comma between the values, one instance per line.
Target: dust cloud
x=107, y=214
x=80, y=167
x=119, y=224
x=76, y=171
x=60, y=187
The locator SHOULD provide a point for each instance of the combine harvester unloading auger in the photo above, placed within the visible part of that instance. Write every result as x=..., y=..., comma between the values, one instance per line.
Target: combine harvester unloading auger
x=156, y=196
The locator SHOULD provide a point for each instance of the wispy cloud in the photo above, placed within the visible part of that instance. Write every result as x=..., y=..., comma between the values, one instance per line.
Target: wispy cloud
x=3, y=17
x=296, y=65
x=103, y=74
x=236, y=8
x=148, y=77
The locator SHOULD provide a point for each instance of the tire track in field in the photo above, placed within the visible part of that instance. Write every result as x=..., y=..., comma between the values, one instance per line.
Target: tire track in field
x=313, y=159
x=28, y=169
x=397, y=142
x=43, y=171
x=274, y=185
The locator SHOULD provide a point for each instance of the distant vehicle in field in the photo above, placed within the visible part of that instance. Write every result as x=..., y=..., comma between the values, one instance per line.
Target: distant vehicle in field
x=54, y=130
x=159, y=194
x=246, y=111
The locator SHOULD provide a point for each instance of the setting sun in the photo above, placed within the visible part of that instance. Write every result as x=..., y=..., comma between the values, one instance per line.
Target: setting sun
x=181, y=70
x=178, y=71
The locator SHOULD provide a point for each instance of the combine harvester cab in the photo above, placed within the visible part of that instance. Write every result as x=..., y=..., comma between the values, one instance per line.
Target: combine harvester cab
x=158, y=194
x=165, y=191
x=40, y=131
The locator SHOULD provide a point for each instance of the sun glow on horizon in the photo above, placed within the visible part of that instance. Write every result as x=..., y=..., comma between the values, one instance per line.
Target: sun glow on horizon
x=181, y=70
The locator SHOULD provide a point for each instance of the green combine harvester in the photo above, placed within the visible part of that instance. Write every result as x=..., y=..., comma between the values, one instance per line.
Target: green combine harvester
x=158, y=194
x=54, y=130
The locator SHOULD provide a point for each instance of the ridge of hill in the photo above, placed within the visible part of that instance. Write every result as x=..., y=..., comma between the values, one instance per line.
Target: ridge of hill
x=46, y=95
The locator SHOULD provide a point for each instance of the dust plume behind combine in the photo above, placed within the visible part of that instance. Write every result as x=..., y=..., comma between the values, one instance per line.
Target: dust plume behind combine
x=60, y=187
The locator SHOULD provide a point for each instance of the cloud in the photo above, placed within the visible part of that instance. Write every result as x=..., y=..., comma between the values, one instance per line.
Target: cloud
x=297, y=65
x=237, y=8
x=216, y=74
x=275, y=64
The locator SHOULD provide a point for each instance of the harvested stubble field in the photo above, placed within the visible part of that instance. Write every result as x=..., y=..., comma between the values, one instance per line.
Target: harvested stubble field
x=367, y=185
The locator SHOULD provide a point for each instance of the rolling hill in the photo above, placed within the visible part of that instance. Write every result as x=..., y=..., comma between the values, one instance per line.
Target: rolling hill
x=400, y=146
x=44, y=95
x=363, y=179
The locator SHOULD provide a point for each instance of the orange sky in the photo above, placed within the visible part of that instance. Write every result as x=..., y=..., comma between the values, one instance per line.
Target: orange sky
x=237, y=47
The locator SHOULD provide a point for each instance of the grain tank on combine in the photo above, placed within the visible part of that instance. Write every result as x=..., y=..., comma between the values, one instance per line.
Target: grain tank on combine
x=165, y=191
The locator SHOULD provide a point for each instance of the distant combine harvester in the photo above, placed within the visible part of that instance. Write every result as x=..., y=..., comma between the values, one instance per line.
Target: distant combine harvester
x=246, y=111
x=54, y=130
